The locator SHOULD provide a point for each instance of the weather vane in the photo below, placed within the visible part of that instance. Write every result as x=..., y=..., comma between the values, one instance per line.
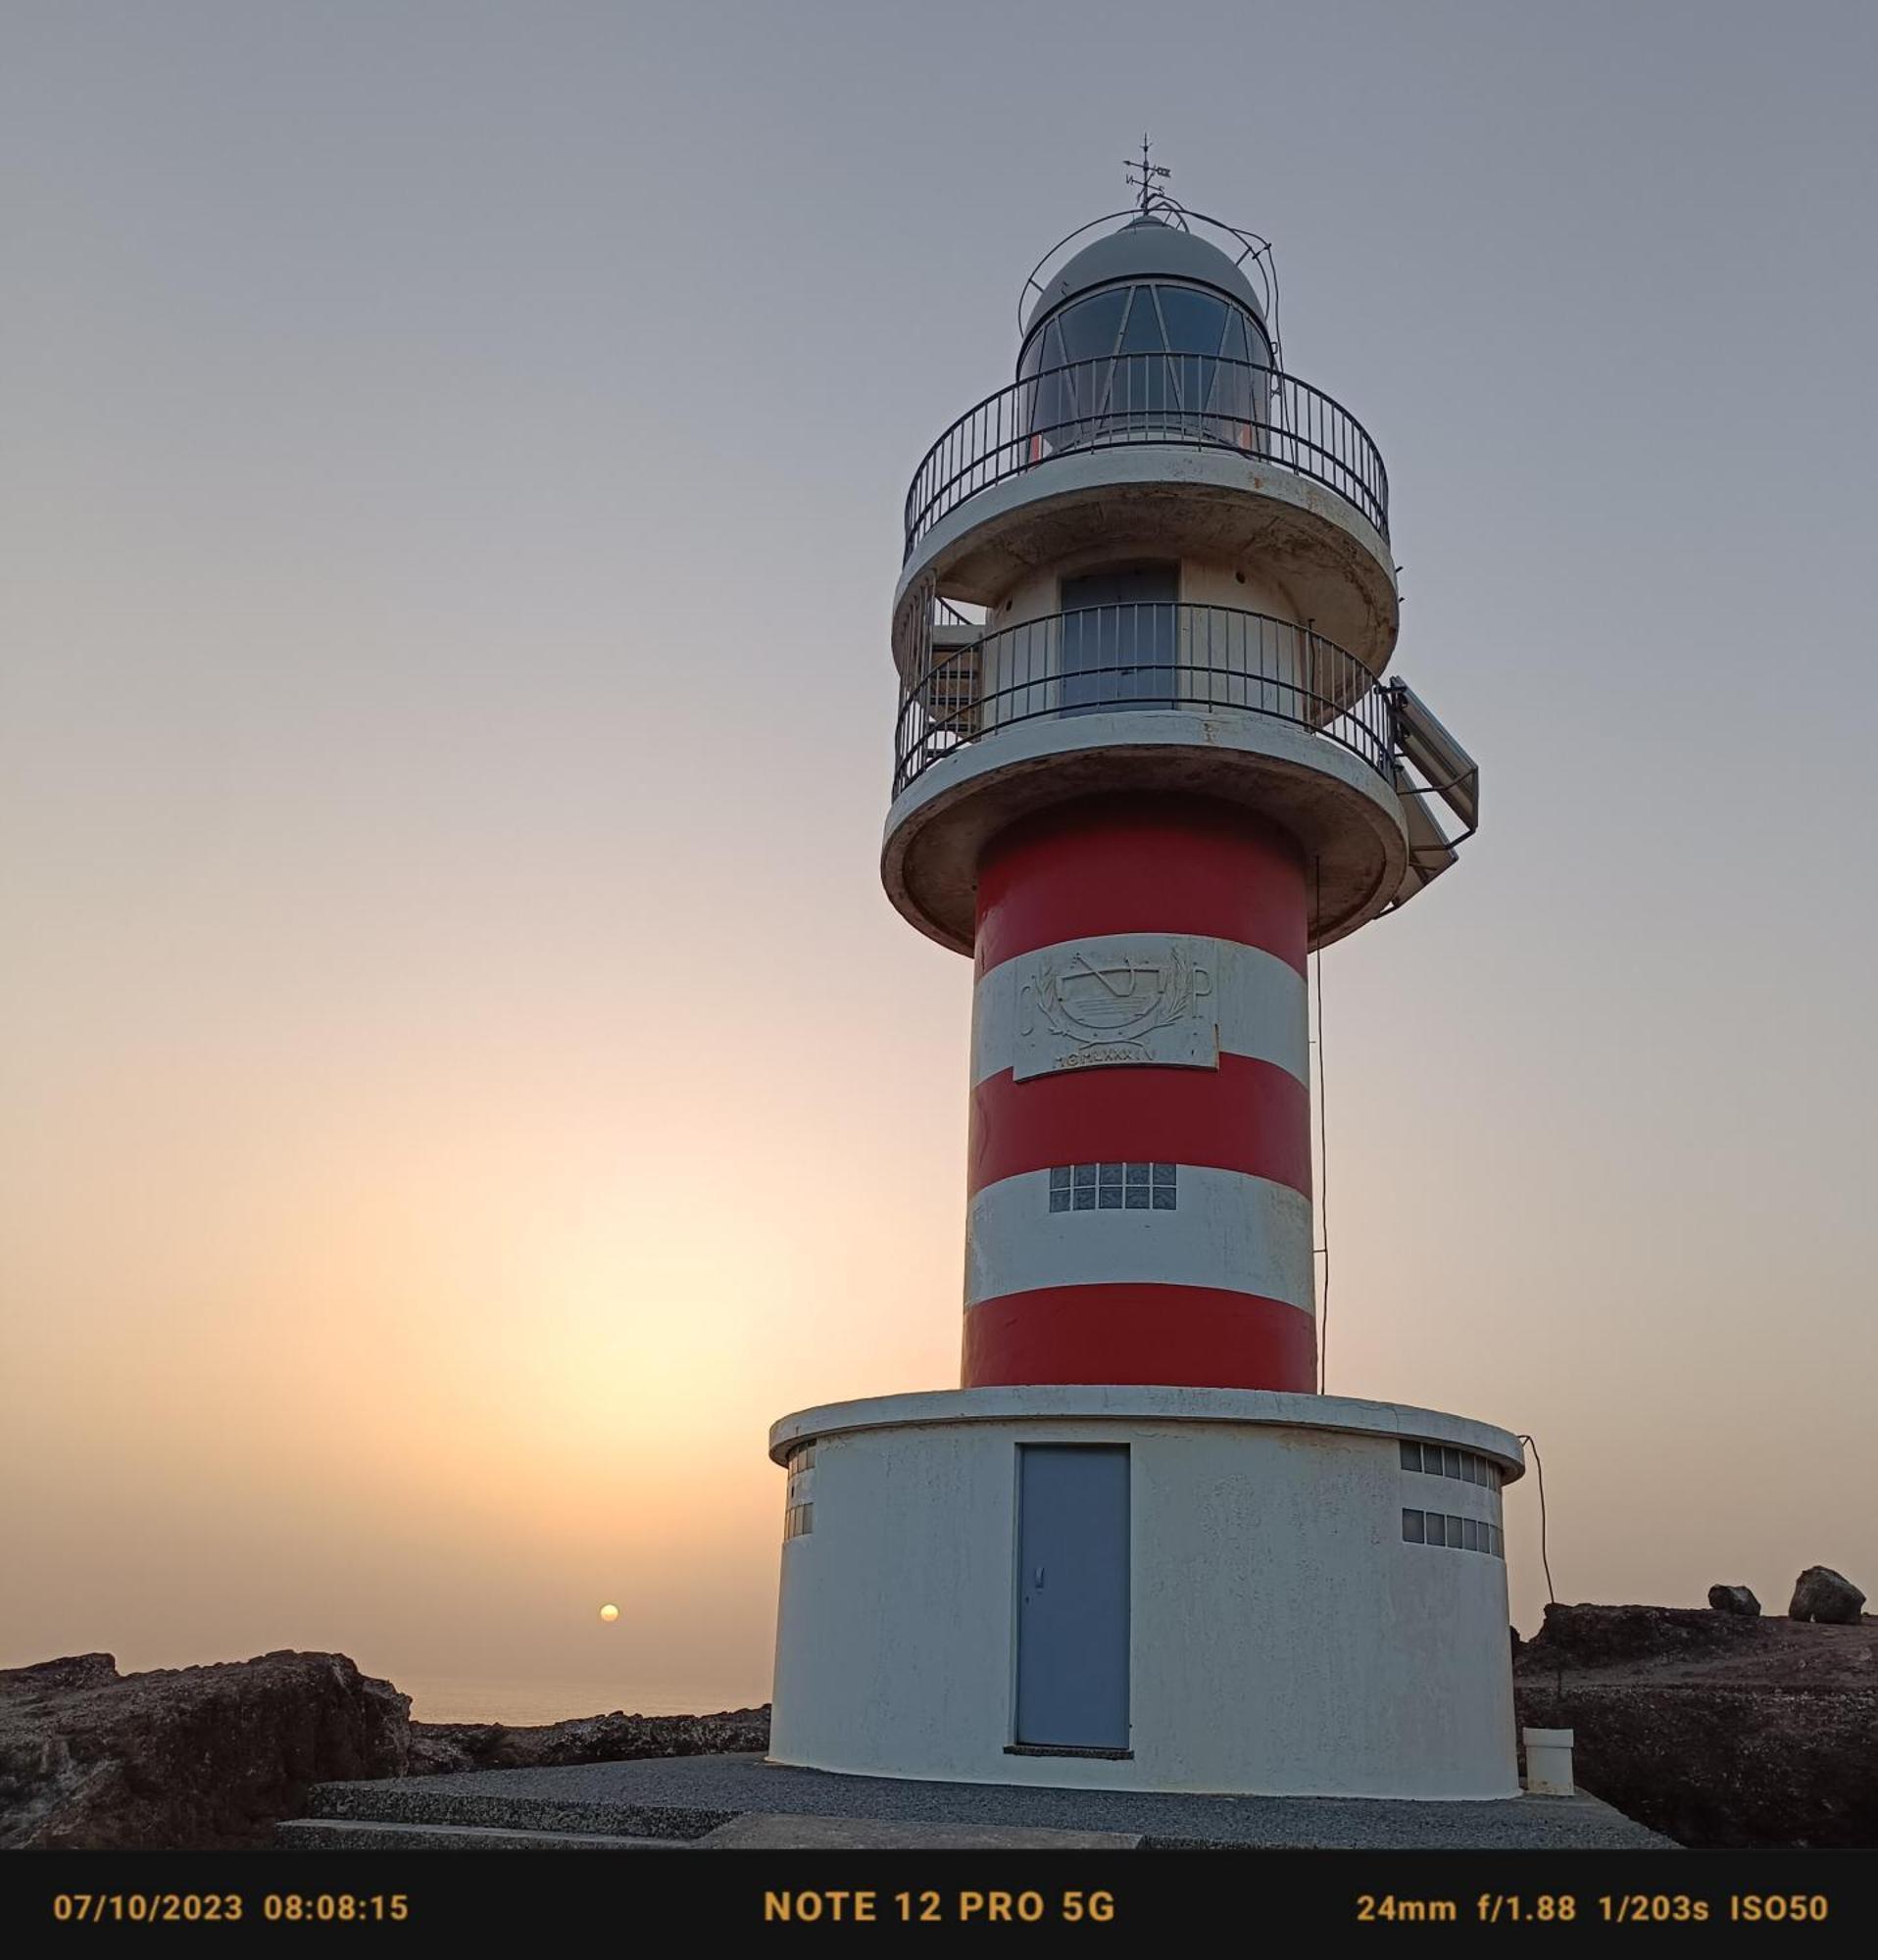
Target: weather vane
x=1143, y=182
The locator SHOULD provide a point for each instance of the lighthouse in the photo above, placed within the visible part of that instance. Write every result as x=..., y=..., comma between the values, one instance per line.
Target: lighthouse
x=1149, y=757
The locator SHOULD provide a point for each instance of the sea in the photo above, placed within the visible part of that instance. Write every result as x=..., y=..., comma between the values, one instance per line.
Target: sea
x=528, y=1705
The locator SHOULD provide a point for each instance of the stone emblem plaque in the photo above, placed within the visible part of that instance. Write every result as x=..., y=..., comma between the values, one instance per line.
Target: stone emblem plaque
x=1129, y=999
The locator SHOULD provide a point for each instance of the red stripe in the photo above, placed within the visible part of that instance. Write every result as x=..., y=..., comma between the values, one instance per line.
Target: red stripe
x=1140, y=863
x=1175, y=1335
x=1245, y=1116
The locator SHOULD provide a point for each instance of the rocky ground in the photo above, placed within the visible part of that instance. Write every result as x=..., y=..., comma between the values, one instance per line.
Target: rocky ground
x=192, y=1757
x=439, y=1747
x=211, y=1758
x=1714, y=1728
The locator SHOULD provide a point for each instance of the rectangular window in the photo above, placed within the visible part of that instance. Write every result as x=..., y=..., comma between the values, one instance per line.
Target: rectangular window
x=1436, y=1460
x=1453, y=1533
x=1114, y=1187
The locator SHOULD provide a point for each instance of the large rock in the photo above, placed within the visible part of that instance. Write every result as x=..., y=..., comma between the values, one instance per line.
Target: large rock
x=184, y=1758
x=1828, y=1596
x=1734, y=1599
x=1714, y=1728
x=439, y=1747
x=1603, y=1637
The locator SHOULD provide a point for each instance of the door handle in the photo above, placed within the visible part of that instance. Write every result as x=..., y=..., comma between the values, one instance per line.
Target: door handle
x=1038, y=1580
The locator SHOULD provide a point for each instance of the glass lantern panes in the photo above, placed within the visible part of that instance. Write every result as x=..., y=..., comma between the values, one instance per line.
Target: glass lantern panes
x=1146, y=361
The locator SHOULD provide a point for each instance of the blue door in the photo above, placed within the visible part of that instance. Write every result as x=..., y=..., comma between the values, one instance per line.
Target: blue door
x=1072, y=1596
x=1118, y=639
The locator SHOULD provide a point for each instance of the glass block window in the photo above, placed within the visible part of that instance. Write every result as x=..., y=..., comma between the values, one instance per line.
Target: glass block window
x=1436, y=1460
x=799, y=1510
x=1455, y=1533
x=1113, y=1187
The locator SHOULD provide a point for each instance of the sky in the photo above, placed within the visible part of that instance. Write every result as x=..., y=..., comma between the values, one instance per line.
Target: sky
x=461, y=1078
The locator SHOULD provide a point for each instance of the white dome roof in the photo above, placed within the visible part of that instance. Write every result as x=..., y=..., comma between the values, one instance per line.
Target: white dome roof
x=1145, y=249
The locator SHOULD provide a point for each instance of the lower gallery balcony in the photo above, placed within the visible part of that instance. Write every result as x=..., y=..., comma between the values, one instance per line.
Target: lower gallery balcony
x=969, y=685
x=1171, y=697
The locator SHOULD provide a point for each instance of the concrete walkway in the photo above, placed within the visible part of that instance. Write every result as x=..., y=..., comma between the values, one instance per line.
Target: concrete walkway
x=726, y=1801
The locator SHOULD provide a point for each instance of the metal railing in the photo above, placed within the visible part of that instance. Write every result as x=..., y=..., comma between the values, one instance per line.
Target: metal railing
x=1192, y=400
x=1141, y=655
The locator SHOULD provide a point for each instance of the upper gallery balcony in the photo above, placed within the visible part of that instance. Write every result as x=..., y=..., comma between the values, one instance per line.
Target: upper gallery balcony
x=1196, y=455
x=1188, y=400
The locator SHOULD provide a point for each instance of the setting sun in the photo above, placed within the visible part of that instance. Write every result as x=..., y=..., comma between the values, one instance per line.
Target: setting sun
x=610, y=1613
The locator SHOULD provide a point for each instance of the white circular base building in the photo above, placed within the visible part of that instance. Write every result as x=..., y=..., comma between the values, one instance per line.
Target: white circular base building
x=1208, y=1589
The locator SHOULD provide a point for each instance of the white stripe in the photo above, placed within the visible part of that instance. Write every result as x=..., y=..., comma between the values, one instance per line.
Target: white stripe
x=1258, y=1003
x=1237, y=1233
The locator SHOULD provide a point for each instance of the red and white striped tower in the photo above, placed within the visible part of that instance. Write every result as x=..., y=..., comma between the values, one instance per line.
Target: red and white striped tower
x=1147, y=761
x=1140, y=1220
